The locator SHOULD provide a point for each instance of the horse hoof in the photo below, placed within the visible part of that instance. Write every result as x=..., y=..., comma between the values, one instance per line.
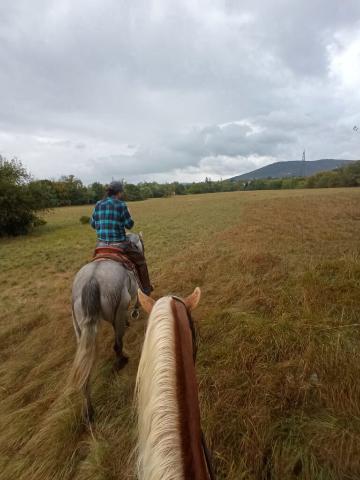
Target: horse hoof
x=120, y=363
x=135, y=314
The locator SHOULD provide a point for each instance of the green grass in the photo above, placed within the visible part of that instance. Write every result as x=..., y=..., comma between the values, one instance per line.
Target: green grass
x=279, y=357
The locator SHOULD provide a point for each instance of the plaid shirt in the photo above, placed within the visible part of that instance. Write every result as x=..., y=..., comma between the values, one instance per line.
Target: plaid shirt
x=110, y=218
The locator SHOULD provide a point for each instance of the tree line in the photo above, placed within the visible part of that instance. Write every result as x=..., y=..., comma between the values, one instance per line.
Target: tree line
x=22, y=198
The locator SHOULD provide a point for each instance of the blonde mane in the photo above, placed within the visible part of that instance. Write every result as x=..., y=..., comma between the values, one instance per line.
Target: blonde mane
x=159, y=443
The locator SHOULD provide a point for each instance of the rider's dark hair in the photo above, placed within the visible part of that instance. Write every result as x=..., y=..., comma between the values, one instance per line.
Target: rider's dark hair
x=110, y=192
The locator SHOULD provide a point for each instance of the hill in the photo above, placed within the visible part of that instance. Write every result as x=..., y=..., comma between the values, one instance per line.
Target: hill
x=279, y=338
x=294, y=168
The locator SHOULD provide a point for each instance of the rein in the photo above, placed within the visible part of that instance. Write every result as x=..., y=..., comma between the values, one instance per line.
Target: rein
x=206, y=451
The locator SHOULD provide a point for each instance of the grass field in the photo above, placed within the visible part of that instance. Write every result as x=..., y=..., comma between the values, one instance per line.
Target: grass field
x=279, y=323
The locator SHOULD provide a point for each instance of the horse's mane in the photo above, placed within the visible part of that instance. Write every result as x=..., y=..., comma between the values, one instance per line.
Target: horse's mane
x=159, y=443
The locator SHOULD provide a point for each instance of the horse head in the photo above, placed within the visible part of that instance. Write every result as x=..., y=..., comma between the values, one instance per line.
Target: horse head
x=136, y=239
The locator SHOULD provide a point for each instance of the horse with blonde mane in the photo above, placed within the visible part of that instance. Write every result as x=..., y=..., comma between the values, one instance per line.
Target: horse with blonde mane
x=170, y=442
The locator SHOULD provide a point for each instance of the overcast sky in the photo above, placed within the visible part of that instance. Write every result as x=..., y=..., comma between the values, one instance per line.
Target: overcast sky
x=177, y=90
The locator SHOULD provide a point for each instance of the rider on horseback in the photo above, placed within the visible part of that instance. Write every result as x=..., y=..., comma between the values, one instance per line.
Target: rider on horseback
x=110, y=218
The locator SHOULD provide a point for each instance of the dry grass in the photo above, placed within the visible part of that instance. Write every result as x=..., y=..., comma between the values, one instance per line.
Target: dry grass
x=279, y=358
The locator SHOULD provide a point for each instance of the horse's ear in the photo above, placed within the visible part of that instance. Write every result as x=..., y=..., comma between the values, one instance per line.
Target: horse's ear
x=146, y=302
x=193, y=300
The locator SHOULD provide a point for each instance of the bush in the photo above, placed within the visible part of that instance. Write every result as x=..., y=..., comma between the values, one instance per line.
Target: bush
x=84, y=220
x=39, y=222
x=19, y=201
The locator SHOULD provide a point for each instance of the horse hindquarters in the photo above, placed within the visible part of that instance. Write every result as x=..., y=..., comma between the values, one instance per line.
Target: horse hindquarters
x=87, y=328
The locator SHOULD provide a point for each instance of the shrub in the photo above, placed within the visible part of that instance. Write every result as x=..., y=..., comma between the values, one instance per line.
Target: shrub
x=19, y=202
x=38, y=222
x=84, y=220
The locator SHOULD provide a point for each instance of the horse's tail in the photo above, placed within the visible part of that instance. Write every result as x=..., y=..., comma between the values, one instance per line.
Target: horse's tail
x=86, y=350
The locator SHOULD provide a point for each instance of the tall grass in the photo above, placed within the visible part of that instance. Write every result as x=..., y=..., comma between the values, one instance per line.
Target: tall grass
x=279, y=356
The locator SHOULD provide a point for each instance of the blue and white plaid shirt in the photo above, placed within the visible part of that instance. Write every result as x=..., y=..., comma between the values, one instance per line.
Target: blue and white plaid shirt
x=110, y=218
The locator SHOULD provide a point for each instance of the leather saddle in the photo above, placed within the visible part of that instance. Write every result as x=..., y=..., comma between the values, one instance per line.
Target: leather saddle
x=113, y=253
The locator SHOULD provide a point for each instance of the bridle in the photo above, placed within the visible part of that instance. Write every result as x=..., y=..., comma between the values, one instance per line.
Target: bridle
x=207, y=453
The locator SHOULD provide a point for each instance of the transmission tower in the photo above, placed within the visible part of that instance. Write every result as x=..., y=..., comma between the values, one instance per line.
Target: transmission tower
x=303, y=165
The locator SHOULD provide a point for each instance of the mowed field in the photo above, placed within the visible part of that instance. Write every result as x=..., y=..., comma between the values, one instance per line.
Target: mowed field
x=279, y=327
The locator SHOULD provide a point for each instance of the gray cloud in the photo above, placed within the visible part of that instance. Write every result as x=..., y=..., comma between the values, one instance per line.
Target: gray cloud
x=160, y=89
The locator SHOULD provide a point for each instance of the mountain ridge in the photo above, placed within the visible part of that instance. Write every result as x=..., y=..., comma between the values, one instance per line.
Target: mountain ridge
x=292, y=168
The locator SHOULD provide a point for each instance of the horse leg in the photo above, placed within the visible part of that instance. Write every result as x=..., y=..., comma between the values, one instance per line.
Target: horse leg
x=119, y=328
x=135, y=312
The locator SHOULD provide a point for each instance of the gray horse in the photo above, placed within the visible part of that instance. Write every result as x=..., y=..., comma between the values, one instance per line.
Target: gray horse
x=103, y=289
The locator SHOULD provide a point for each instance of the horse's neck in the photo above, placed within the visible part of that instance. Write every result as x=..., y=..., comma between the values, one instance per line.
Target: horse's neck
x=169, y=420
